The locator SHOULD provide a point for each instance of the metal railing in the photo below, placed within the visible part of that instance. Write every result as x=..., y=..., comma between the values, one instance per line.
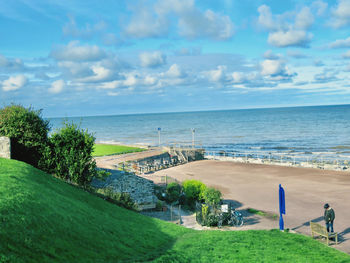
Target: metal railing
x=313, y=161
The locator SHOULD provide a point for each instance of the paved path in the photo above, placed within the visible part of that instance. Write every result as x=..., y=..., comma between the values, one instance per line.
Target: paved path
x=256, y=186
x=109, y=162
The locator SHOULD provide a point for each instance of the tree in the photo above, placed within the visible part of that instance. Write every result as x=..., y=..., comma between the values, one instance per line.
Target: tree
x=212, y=196
x=193, y=190
x=69, y=154
x=173, y=192
x=27, y=131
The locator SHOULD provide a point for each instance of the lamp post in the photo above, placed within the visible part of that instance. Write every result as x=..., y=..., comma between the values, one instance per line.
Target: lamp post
x=159, y=129
x=193, y=131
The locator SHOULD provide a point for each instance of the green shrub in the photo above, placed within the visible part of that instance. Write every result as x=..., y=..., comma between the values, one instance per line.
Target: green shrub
x=212, y=196
x=193, y=190
x=69, y=155
x=121, y=199
x=28, y=133
x=159, y=205
x=173, y=192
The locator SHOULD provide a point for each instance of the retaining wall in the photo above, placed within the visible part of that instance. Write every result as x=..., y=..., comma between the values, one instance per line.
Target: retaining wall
x=5, y=147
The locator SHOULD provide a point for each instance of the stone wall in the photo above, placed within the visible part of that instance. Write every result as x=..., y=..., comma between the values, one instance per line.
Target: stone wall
x=140, y=189
x=5, y=147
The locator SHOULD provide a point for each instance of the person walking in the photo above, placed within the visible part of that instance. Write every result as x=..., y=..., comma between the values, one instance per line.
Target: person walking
x=329, y=216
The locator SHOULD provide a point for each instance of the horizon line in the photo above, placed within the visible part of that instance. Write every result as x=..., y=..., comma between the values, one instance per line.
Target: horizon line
x=195, y=111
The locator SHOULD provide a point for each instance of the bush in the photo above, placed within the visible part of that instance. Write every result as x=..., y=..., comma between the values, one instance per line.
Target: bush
x=173, y=192
x=212, y=196
x=28, y=132
x=193, y=190
x=69, y=155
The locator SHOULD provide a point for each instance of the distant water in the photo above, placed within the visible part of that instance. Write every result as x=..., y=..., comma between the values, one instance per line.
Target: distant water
x=304, y=132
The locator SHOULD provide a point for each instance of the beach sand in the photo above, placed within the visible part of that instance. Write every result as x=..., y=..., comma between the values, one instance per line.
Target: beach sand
x=256, y=186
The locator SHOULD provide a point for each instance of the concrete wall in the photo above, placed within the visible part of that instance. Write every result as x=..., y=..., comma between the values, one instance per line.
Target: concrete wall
x=5, y=147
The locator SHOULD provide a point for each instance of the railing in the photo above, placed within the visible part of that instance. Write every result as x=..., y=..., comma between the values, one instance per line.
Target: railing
x=318, y=161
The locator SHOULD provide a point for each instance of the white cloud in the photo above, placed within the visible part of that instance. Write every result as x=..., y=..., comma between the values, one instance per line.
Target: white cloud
x=144, y=23
x=346, y=55
x=152, y=59
x=340, y=43
x=283, y=32
x=154, y=21
x=14, y=83
x=289, y=38
x=271, y=67
x=304, y=19
x=270, y=55
x=276, y=70
x=71, y=29
x=265, y=18
x=320, y=7
x=98, y=74
x=217, y=75
x=13, y=64
x=174, y=71
x=238, y=77
x=75, y=52
x=341, y=14
x=57, y=86
x=207, y=25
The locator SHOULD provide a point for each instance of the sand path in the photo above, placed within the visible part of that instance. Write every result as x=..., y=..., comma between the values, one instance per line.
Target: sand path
x=256, y=186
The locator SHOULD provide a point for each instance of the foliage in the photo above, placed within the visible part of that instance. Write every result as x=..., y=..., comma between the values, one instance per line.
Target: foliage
x=212, y=196
x=173, y=192
x=111, y=149
x=159, y=205
x=121, y=199
x=46, y=220
x=102, y=174
x=69, y=155
x=193, y=190
x=28, y=133
x=205, y=212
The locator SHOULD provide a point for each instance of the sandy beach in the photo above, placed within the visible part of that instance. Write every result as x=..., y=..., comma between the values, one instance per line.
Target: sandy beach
x=256, y=186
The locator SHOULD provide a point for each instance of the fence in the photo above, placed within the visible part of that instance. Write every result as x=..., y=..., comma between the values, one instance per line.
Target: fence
x=284, y=159
x=160, y=179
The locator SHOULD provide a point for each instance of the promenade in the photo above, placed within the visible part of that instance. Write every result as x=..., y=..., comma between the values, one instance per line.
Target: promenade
x=256, y=186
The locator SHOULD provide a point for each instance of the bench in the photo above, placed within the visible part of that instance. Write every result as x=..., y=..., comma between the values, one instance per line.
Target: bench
x=317, y=229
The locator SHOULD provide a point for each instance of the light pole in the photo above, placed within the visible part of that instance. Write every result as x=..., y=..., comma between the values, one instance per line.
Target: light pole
x=193, y=131
x=159, y=129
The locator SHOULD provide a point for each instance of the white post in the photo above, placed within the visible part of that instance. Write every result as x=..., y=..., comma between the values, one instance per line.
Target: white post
x=193, y=131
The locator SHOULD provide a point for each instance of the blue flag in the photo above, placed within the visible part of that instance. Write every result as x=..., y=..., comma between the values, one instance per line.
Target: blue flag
x=282, y=203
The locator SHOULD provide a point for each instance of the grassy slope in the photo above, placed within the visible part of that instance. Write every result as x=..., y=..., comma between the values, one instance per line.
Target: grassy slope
x=109, y=149
x=45, y=220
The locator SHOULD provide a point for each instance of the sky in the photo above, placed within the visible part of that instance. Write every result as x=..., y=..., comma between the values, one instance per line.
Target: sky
x=83, y=58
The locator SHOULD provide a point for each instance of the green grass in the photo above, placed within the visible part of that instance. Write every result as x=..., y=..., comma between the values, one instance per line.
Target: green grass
x=110, y=149
x=46, y=220
x=263, y=213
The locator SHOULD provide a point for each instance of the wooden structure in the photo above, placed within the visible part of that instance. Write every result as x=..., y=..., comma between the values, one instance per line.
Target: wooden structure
x=319, y=230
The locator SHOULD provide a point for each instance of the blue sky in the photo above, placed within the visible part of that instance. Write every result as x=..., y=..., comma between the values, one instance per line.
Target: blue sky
x=79, y=58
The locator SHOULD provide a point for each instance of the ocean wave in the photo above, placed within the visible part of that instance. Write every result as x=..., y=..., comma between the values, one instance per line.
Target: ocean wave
x=108, y=142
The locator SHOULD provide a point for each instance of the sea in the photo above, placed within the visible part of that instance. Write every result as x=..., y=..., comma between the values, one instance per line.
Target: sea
x=299, y=133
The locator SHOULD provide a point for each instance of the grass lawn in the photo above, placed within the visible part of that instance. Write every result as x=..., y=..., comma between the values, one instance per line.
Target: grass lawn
x=46, y=220
x=110, y=149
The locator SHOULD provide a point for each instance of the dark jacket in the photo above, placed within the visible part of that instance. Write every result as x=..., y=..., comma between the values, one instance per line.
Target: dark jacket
x=329, y=215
